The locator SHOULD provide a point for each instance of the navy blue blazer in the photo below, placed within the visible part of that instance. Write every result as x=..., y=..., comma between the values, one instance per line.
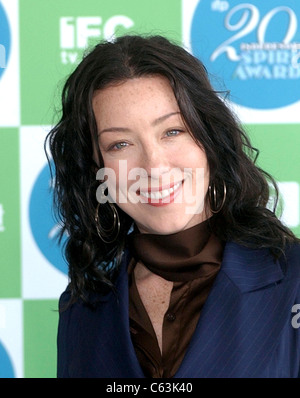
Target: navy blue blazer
x=248, y=327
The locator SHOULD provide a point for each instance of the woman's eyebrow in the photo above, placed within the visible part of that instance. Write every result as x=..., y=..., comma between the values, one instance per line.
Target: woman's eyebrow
x=164, y=117
x=115, y=129
x=127, y=130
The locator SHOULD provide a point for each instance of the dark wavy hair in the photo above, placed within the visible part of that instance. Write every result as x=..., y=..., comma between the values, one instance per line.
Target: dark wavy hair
x=244, y=218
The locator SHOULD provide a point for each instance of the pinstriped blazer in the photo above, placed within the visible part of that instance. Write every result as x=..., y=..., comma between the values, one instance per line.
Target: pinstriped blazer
x=248, y=327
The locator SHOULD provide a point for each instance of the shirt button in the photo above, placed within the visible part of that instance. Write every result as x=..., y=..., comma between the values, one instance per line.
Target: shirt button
x=171, y=316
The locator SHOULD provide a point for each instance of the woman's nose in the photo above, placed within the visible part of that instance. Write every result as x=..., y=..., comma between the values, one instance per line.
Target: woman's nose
x=155, y=161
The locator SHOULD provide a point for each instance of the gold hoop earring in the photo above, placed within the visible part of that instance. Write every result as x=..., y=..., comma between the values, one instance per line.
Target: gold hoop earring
x=108, y=235
x=213, y=203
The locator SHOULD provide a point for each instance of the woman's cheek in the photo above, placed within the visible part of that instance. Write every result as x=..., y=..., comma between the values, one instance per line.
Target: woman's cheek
x=123, y=183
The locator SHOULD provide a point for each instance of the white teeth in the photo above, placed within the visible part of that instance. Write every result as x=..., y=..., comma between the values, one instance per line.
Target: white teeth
x=160, y=194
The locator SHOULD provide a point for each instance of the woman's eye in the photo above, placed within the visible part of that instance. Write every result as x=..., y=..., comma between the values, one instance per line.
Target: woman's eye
x=118, y=146
x=173, y=133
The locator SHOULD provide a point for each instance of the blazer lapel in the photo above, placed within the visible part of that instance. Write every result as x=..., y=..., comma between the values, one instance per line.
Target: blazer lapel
x=119, y=356
x=241, y=319
x=100, y=344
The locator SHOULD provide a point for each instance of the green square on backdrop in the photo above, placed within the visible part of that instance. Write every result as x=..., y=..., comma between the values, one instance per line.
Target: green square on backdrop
x=53, y=35
x=10, y=263
x=279, y=151
x=40, y=331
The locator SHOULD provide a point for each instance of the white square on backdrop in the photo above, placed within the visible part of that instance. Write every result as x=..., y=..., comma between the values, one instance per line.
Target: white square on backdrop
x=40, y=278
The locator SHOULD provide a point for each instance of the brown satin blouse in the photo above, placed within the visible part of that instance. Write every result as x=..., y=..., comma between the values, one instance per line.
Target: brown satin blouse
x=191, y=259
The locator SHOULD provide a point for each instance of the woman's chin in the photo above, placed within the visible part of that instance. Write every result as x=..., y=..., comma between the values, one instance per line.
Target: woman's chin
x=167, y=227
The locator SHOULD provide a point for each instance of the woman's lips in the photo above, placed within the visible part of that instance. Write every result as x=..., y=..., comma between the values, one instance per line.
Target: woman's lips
x=160, y=196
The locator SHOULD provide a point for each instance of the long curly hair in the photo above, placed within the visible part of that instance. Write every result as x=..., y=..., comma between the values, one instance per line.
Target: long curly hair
x=245, y=216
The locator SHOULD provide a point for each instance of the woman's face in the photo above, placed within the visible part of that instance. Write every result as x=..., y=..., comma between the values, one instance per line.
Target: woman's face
x=161, y=174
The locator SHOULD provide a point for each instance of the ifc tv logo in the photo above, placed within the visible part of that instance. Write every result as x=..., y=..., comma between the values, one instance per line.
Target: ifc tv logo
x=76, y=33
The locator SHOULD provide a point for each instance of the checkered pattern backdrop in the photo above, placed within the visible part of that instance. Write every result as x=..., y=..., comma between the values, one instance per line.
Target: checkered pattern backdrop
x=254, y=50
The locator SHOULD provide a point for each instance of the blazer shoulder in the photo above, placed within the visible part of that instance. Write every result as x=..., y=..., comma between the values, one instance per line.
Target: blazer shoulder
x=290, y=261
x=293, y=251
x=64, y=300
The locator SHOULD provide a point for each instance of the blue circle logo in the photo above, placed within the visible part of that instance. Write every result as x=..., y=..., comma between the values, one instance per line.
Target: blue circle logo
x=253, y=47
x=6, y=367
x=5, y=40
x=42, y=221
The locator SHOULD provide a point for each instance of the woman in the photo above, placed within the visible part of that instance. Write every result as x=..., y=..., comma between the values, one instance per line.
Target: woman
x=177, y=267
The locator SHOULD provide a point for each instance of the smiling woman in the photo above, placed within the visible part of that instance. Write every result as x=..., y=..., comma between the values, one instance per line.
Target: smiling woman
x=150, y=135
x=177, y=266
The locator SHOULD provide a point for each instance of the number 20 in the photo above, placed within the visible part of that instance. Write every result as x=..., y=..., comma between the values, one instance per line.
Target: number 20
x=247, y=27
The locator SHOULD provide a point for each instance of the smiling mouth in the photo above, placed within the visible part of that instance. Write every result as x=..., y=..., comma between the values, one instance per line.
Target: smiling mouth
x=157, y=197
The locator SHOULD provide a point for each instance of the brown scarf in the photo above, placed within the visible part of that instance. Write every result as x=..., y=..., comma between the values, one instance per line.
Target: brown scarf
x=189, y=254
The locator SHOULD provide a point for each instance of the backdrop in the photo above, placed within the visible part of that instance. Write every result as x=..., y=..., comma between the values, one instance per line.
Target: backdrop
x=250, y=48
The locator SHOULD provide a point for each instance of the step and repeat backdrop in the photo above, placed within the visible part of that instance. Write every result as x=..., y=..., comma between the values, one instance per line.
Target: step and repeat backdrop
x=251, y=48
